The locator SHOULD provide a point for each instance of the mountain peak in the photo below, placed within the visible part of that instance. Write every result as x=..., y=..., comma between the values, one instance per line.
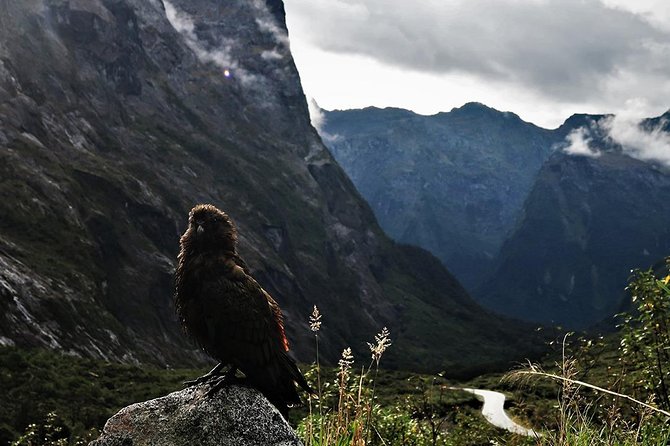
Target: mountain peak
x=580, y=120
x=473, y=106
x=476, y=109
x=407, y=168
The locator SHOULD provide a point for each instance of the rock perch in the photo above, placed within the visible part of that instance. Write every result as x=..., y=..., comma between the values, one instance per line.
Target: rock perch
x=235, y=415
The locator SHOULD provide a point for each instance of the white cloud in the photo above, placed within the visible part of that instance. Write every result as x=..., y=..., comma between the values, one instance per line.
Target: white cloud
x=318, y=119
x=579, y=144
x=180, y=21
x=271, y=55
x=560, y=46
x=638, y=137
x=267, y=23
x=342, y=81
x=221, y=57
x=655, y=11
x=643, y=142
x=315, y=114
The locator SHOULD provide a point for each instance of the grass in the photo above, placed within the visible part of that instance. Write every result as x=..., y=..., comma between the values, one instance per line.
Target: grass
x=68, y=399
x=83, y=392
x=587, y=414
x=574, y=412
x=358, y=405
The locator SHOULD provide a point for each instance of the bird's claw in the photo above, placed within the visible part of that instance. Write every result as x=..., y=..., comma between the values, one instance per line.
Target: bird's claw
x=219, y=382
x=198, y=381
x=212, y=374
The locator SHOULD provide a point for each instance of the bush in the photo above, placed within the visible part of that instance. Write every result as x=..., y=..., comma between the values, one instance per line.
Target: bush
x=645, y=344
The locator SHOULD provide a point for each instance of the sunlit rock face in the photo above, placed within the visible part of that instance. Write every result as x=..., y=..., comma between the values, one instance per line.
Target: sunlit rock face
x=117, y=116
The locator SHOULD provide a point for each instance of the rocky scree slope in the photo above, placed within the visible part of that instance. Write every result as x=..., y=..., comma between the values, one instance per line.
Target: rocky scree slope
x=116, y=116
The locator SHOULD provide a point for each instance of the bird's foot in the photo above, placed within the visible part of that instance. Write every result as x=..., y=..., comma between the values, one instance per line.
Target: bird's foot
x=219, y=382
x=212, y=374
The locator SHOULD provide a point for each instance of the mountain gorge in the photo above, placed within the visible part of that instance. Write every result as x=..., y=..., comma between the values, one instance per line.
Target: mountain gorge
x=116, y=116
x=534, y=232
x=452, y=183
x=587, y=223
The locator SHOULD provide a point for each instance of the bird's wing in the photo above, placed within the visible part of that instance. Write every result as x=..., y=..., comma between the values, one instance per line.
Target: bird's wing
x=246, y=326
x=279, y=318
x=242, y=319
x=237, y=260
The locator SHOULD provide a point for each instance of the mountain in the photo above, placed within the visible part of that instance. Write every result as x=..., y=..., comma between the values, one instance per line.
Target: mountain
x=535, y=233
x=587, y=222
x=452, y=183
x=117, y=116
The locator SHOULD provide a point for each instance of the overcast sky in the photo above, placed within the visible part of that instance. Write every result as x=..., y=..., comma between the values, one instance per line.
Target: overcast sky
x=542, y=59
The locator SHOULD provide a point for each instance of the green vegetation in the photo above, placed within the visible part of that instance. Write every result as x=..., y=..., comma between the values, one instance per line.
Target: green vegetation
x=598, y=391
x=625, y=400
x=351, y=409
x=576, y=412
x=425, y=411
x=645, y=344
x=83, y=393
x=57, y=400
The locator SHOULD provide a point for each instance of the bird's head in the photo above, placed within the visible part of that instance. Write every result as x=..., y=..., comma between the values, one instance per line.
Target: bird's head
x=210, y=228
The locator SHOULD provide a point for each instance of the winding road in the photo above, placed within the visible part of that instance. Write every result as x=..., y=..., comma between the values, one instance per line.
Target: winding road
x=494, y=412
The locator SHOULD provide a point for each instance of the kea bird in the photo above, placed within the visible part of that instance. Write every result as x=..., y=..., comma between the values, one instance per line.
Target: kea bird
x=231, y=317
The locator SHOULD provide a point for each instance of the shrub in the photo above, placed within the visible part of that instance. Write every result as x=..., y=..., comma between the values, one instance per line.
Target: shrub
x=645, y=344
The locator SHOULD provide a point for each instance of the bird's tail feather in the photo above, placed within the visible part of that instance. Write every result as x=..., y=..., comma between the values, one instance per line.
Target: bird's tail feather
x=296, y=374
x=278, y=382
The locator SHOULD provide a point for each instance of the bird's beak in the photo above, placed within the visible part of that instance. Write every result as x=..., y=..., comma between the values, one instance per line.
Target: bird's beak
x=200, y=230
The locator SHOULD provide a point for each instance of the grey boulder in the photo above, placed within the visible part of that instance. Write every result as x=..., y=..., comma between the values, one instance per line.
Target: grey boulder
x=235, y=415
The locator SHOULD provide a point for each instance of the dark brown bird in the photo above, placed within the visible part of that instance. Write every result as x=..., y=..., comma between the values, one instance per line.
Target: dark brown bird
x=229, y=314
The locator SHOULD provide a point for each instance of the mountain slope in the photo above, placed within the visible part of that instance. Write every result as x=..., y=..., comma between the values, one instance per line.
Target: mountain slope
x=452, y=183
x=534, y=232
x=115, y=120
x=588, y=221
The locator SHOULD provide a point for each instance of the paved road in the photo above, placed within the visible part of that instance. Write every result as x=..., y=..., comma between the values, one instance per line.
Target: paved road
x=494, y=412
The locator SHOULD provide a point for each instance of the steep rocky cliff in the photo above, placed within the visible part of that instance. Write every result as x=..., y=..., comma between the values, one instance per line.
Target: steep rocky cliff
x=116, y=116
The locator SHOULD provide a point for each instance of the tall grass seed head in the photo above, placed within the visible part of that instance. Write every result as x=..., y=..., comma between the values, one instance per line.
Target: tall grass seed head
x=345, y=363
x=382, y=342
x=315, y=320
